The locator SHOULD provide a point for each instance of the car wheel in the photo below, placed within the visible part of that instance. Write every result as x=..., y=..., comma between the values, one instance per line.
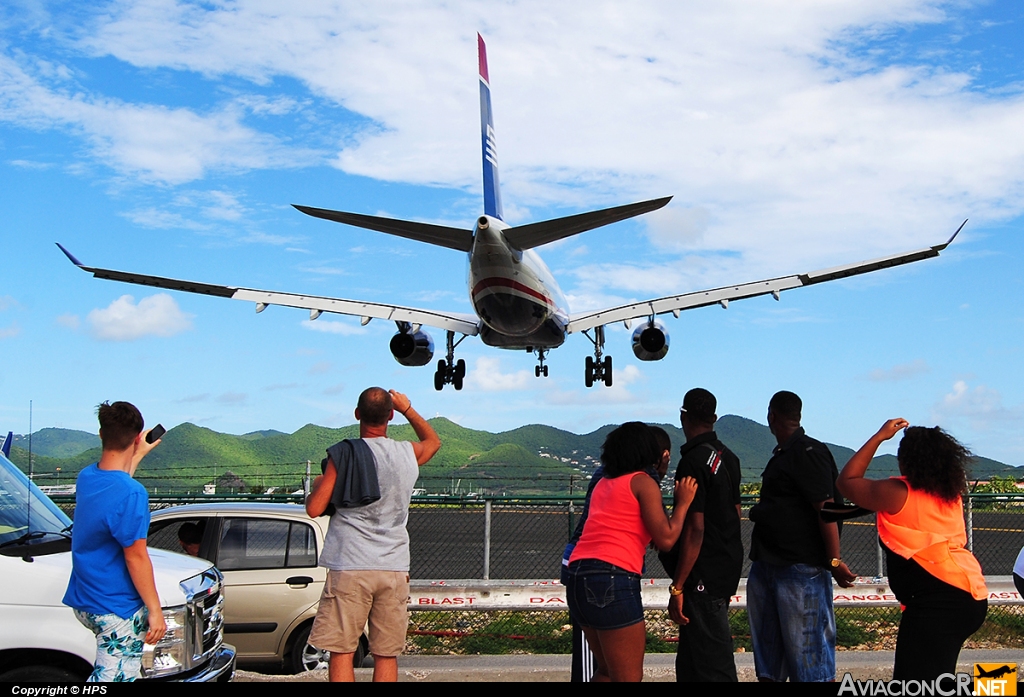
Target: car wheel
x=41, y=674
x=309, y=658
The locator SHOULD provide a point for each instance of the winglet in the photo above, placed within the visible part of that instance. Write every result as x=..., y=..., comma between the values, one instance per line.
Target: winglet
x=940, y=247
x=70, y=256
x=6, y=449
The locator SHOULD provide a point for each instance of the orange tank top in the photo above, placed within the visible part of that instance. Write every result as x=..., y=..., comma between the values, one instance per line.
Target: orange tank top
x=614, y=531
x=931, y=532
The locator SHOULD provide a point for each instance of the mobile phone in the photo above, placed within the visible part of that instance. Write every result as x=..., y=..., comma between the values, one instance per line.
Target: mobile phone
x=156, y=434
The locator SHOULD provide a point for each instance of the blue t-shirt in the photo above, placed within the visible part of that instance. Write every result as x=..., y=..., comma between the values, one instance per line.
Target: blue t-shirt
x=111, y=513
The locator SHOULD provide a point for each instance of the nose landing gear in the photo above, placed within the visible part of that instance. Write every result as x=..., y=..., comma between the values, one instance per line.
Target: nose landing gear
x=598, y=370
x=540, y=368
x=449, y=371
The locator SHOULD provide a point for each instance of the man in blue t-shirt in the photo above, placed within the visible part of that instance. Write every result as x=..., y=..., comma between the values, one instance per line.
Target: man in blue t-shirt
x=112, y=588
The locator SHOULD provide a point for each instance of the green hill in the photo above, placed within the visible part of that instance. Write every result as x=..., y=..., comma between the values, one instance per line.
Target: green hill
x=528, y=459
x=58, y=442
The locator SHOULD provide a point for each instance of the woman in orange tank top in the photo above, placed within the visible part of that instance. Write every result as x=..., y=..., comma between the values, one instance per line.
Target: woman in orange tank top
x=937, y=580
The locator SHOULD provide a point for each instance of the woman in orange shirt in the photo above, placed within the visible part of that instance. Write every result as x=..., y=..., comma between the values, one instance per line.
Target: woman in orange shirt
x=920, y=518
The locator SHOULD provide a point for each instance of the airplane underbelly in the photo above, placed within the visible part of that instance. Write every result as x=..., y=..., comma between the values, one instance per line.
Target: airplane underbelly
x=509, y=307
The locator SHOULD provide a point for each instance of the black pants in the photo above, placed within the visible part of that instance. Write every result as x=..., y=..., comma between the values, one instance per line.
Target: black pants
x=933, y=629
x=705, y=650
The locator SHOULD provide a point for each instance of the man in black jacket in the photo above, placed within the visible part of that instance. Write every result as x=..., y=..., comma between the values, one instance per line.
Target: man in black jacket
x=709, y=556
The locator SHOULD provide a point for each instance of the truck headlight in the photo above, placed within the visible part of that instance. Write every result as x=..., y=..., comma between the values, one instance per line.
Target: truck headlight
x=170, y=654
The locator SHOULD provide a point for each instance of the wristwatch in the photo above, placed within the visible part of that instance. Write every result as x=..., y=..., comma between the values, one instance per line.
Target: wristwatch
x=834, y=563
x=672, y=590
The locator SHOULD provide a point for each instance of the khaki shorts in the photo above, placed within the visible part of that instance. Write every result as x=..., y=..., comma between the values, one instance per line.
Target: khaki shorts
x=350, y=599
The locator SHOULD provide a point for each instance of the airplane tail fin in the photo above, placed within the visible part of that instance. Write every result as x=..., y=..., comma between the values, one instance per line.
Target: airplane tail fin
x=6, y=449
x=492, y=192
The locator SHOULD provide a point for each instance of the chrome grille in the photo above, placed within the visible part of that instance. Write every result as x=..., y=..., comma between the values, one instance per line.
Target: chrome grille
x=206, y=613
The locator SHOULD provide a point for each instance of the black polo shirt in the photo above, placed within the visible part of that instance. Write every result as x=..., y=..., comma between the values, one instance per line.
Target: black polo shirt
x=717, y=471
x=801, y=473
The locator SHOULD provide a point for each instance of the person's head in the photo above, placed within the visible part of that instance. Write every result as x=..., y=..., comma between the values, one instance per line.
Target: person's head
x=632, y=447
x=665, y=447
x=697, y=414
x=120, y=424
x=190, y=536
x=934, y=462
x=374, y=407
x=784, y=412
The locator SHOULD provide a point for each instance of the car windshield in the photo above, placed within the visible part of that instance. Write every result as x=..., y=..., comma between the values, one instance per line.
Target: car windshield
x=27, y=516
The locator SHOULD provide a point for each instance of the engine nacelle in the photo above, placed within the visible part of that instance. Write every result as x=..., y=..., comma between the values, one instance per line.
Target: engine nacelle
x=650, y=341
x=412, y=349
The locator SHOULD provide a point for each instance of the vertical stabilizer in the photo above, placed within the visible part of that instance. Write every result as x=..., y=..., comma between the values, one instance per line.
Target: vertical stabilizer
x=6, y=449
x=492, y=191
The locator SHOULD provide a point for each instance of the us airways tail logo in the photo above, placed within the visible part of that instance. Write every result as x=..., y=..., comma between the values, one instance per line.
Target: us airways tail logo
x=995, y=678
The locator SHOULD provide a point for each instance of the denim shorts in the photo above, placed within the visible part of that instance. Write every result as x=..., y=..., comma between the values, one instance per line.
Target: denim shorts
x=603, y=596
x=792, y=625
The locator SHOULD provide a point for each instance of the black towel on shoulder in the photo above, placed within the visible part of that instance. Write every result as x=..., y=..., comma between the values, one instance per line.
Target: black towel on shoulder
x=356, y=484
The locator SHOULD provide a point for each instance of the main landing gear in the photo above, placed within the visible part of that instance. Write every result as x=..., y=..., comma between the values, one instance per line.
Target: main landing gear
x=450, y=371
x=540, y=368
x=598, y=370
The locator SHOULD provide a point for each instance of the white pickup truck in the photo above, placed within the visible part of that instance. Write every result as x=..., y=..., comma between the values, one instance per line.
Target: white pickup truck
x=40, y=639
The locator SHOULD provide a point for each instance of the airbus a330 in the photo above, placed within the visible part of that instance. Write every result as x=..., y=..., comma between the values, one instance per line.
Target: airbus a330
x=517, y=301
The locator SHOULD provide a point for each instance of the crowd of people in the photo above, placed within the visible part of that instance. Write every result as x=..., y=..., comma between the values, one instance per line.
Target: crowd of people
x=367, y=484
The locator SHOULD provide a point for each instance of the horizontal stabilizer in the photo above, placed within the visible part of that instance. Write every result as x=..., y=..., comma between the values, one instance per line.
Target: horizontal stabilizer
x=535, y=234
x=450, y=237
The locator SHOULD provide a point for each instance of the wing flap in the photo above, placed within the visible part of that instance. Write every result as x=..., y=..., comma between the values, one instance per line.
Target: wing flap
x=722, y=296
x=452, y=321
x=450, y=237
x=533, y=235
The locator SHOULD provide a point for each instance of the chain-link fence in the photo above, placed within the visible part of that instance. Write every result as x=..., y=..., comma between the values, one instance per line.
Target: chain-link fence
x=524, y=538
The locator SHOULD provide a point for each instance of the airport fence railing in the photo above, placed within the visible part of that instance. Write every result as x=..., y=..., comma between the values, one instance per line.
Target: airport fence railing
x=508, y=538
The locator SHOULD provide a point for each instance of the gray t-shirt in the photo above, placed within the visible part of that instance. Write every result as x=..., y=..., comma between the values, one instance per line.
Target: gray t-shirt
x=374, y=537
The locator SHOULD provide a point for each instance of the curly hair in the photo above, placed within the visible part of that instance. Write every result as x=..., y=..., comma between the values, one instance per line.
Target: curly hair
x=632, y=447
x=934, y=462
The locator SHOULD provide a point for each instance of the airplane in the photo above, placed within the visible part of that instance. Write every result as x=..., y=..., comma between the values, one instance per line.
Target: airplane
x=517, y=302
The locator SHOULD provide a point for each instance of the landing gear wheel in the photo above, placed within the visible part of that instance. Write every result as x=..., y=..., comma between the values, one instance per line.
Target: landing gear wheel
x=588, y=376
x=460, y=369
x=545, y=371
x=457, y=381
x=536, y=371
x=439, y=380
x=607, y=371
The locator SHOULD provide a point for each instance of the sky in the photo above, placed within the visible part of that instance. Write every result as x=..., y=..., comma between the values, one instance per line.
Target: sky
x=170, y=138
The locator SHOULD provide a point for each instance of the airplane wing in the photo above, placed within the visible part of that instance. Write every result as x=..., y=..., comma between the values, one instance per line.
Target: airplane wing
x=457, y=322
x=580, y=322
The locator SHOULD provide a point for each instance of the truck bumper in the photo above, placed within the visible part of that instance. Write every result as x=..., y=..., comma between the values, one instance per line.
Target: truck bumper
x=221, y=667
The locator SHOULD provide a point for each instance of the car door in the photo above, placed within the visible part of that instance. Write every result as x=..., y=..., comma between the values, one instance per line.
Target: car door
x=271, y=577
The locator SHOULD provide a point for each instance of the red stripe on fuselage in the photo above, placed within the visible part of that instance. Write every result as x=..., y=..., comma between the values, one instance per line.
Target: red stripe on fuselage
x=514, y=285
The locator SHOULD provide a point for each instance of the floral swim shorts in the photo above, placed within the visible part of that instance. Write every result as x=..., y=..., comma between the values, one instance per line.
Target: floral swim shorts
x=119, y=644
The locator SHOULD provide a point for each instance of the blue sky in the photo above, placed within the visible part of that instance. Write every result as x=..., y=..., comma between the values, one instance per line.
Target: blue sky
x=170, y=138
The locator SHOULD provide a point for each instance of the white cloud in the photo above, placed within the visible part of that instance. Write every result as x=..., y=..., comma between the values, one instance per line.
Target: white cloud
x=123, y=320
x=981, y=407
x=195, y=398
x=232, y=398
x=29, y=164
x=7, y=302
x=903, y=371
x=345, y=328
x=320, y=367
x=10, y=332
x=151, y=142
x=69, y=321
x=486, y=375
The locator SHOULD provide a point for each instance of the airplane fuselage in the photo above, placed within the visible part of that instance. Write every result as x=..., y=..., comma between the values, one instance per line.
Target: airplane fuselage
x=513, y=292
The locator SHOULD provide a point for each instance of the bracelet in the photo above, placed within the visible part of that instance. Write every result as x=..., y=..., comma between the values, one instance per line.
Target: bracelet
x=672, y=590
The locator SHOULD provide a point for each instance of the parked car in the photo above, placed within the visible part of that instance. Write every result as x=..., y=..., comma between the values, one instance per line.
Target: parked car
x=268, y=555
x=40, y=638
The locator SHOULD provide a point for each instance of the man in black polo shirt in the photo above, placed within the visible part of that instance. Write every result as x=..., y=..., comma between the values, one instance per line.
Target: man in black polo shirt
x=708, y=558
x=795, y=555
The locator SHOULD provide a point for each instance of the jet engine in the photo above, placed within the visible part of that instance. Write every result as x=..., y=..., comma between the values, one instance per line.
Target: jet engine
x=650, y=341
x=412, y=348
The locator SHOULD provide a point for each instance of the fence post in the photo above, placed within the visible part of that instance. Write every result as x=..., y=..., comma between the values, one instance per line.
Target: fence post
x=305, y=483
x=487, y=539
x=881, y=556
x=970, y=523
